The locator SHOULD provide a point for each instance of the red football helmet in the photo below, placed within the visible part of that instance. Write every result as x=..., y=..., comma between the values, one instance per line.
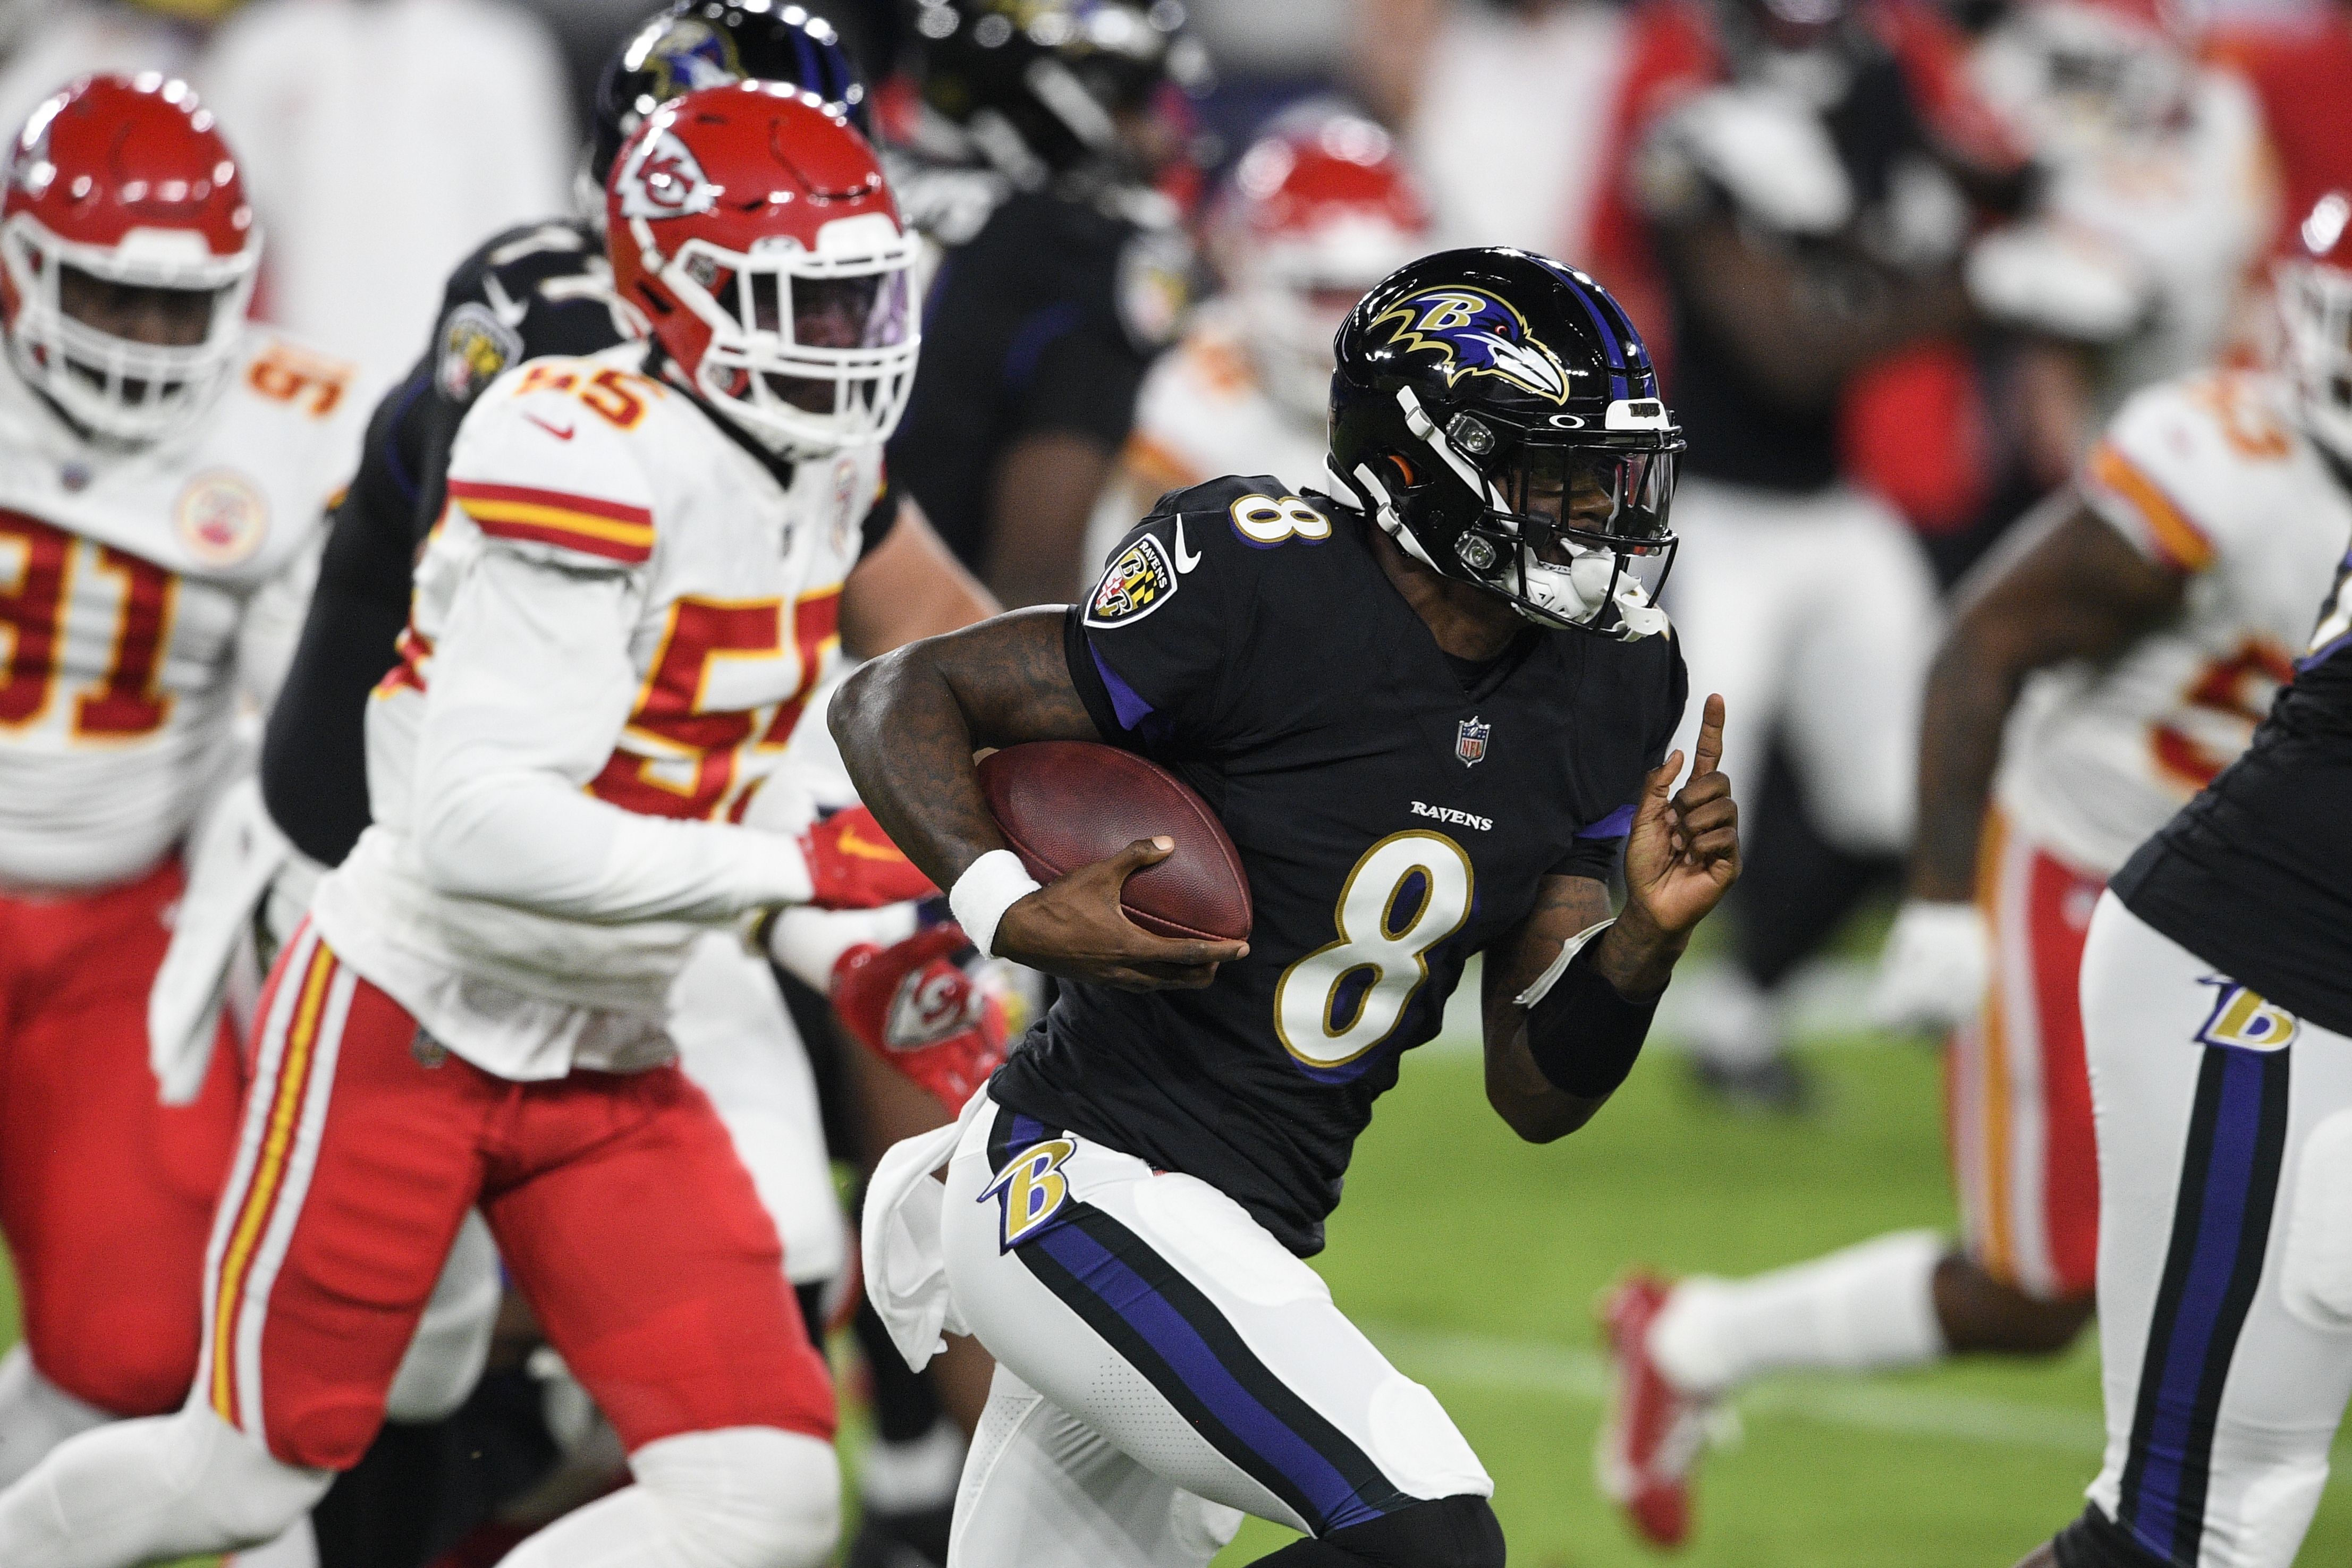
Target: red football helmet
x=123, y=182
x=2314, y=294
x=752, y=225
x=1312, y=216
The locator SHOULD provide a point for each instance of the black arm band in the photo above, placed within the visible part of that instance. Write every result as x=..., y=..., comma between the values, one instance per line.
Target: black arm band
x=1583, y=1035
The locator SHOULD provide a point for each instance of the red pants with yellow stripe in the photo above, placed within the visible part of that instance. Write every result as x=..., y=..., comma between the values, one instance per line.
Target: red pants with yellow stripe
x=619, y=1205
x=2019, y=1097
x=105, y=1194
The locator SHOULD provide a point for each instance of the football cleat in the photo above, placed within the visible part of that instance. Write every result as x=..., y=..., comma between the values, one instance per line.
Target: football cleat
x=1654, y=1433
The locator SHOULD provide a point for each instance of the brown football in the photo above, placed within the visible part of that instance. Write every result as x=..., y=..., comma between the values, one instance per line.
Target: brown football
x=1063, y=804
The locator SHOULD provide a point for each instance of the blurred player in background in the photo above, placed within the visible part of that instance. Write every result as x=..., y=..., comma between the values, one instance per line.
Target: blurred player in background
x=2109, y=662
x=393, y=134
x=618, y=620
x=2154, y=204
x=2218, y=1021
x=542, y=290
x=1802, y=179
x=1313, y=215
x=162, y=467
x=1041, y=127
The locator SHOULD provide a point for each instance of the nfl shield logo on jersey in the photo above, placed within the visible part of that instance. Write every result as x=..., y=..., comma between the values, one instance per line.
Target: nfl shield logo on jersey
x=1470, y=741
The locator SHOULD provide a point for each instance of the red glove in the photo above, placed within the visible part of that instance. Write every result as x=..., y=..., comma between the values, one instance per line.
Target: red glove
x=853, y=864
x=917, y=1006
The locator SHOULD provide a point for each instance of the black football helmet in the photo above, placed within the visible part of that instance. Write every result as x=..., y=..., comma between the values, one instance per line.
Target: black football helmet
x=693, y=43
x=1498, y=416
x=1036, y=84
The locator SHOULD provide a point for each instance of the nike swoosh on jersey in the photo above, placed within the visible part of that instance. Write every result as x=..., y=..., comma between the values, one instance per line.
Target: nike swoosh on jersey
x=1185, y=560
x=561, y=433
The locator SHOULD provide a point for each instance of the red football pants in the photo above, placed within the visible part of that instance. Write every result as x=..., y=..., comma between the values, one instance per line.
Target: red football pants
x=106, y=1195
x=618, y=1203
x=2017, y=1097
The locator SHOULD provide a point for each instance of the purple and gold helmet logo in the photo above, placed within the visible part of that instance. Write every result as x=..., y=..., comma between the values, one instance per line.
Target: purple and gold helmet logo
x=689, y=56
x=1476, y=334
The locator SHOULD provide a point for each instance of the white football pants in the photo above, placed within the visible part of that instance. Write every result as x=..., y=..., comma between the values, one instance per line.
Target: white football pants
x=2225, y=1250
x=1164, y=1366
x=1814, y=615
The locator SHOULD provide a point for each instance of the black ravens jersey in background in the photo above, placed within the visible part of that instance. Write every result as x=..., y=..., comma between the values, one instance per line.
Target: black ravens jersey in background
x=2255, y=873
x=1043, y=318
x=542, y=290
x=1395, y=809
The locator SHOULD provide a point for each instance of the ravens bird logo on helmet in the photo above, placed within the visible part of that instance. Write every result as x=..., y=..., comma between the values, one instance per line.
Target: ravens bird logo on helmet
x=1476, y=335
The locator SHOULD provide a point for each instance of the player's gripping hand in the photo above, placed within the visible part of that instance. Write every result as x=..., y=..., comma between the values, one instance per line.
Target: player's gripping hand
x=1073, y=927
x=853, y=864
x=1683, y=854
x=1933, y=971
x=925, y=1007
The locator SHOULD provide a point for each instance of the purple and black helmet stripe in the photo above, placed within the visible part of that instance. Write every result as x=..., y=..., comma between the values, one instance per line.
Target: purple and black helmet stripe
x=2220, y=1229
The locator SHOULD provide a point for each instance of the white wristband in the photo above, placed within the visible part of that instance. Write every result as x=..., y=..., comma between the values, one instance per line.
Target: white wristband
x=988, y=887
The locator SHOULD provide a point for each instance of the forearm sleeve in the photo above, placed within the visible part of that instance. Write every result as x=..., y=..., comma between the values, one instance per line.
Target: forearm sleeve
x=532, y=685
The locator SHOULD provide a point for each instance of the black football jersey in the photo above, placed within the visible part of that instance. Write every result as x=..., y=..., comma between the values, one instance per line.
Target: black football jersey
x=540, y=290
x=1394, y=813
x=2254, y=875
x=1043, y=316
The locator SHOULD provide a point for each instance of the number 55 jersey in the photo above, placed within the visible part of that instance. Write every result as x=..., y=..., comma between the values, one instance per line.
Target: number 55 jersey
x=623, y=611
x=1396, y=811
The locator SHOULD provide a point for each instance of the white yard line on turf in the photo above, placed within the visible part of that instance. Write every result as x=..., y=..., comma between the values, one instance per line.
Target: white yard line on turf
x=1535, y=1366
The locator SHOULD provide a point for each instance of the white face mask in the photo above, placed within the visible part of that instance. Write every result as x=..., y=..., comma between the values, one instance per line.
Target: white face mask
x=1580, y=591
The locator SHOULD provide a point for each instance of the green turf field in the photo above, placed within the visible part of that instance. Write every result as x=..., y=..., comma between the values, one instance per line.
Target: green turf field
x=1473, y=1259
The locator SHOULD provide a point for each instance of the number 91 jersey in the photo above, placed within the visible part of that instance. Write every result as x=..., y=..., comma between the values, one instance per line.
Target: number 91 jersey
x=142, y=591
x=1396, y=811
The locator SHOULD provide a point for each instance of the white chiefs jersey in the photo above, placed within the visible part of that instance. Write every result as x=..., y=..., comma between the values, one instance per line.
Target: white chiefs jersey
x=1202, y=412
x=2209, y=475
x=142, y=591
x=659, y=605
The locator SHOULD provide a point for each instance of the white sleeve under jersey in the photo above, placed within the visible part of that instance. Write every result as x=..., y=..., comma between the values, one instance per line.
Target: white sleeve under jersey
x=533, y=684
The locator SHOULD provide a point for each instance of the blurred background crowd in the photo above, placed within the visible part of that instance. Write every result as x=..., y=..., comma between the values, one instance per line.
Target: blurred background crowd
x=1898, y=260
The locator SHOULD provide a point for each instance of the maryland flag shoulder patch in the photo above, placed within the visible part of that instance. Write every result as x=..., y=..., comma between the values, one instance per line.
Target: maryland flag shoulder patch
x=1138, y=581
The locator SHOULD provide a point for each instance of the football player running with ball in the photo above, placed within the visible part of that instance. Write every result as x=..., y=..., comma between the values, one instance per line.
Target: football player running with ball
x=617, y=622
x=1429, y=708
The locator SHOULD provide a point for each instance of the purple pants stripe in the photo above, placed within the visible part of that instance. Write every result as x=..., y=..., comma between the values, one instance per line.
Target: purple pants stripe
x=1165, y=1329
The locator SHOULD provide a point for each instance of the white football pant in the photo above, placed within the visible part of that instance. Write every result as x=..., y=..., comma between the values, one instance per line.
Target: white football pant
x=1164, y=1366
x=2225, y=1250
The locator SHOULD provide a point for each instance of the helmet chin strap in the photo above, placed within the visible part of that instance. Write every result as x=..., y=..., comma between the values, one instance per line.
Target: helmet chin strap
x=1382, y=507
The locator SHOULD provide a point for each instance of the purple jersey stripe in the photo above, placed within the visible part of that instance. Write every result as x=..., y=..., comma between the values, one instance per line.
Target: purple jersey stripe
x=1131, y=710
x=1616, y=825
x=1208, y=1379
x=2222, y=1220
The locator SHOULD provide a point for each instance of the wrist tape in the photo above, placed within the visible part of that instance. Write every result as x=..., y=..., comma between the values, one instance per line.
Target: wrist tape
x=1583, y=1035
x=988, y=887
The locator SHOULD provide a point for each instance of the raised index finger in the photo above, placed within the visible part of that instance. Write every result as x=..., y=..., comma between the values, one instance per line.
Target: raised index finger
x=1708, y=752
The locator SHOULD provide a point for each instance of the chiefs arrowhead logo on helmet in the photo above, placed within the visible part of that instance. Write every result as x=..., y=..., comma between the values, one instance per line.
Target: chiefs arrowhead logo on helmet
x=662, y=180
x=1478, y=335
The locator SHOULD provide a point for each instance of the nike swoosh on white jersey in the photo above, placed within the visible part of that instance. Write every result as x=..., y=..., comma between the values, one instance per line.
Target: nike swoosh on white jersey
x=1185, y=560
